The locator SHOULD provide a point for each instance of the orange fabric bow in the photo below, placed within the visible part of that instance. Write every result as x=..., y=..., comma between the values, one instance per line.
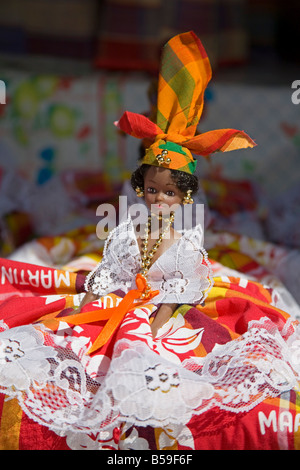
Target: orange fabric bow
x=113, y=315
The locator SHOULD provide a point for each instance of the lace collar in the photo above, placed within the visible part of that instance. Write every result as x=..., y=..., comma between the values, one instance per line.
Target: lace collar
x=182, y=274
x=127, y=233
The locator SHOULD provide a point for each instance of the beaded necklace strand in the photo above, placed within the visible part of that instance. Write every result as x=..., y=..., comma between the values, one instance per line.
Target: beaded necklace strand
x=147, y=257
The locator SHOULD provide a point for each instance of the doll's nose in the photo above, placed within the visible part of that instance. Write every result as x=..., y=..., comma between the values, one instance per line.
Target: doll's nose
x=159, y=197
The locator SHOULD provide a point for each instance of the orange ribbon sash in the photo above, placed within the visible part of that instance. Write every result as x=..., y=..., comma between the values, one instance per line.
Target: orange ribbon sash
x=113, y=315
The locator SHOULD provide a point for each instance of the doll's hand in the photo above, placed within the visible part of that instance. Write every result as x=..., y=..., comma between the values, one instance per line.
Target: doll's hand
x=89, y=297
x=164, y=313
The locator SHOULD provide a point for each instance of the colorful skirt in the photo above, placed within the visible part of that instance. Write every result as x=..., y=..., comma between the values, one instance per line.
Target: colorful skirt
x=223, y=375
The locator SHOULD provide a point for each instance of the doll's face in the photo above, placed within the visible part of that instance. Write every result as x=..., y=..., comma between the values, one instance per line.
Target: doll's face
x=160, y=191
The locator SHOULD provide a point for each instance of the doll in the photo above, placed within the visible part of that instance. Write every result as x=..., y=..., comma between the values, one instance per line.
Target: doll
x=184, y=74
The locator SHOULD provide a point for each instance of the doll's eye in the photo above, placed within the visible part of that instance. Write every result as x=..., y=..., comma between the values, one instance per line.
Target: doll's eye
x=151, y=190
x=170, y=193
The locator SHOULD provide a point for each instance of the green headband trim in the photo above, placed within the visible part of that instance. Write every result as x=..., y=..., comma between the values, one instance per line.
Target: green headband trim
x=172, y=147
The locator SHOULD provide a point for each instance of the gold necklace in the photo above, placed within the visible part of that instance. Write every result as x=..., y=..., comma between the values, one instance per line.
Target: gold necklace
x=147, y=257
x=160, y=216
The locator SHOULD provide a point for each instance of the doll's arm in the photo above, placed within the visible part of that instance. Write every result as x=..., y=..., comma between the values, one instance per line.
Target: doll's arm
x=89, y=297
x=164, y=313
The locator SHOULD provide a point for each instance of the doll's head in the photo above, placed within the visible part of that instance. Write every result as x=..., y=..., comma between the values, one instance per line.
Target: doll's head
x=160, y=185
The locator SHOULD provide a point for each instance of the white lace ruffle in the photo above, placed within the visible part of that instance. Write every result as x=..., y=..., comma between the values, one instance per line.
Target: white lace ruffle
x=60, y=386
x=120, y=263
x=235, y=377
x=182, y=274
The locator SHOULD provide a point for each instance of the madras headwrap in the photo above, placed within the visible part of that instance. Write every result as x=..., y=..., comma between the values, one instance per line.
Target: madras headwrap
x=184, y=74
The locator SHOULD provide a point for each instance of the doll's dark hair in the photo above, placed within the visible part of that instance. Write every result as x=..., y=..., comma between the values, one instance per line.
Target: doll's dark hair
x=184, y=181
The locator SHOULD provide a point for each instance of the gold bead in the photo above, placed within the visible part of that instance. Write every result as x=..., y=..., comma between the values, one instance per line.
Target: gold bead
x=139, y=191
x=160, y=159
x=187, y=198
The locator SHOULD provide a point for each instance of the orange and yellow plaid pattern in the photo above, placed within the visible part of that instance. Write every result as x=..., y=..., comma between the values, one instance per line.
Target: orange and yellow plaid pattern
x=184, y=75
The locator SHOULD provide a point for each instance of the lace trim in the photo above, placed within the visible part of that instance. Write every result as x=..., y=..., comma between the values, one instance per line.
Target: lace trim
x=119, y=264
x=61, y=387
x=234, y=377
x=182, y=274
x=176, y=285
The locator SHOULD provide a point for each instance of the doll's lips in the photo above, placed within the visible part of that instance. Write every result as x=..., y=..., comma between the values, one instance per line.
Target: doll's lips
x=159, y=208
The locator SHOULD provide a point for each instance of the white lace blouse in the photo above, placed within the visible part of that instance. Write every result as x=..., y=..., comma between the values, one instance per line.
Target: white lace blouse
x=182, y=274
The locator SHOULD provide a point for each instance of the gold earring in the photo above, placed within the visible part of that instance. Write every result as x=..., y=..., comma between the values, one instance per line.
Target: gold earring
x=187, y=198
x=139, y=191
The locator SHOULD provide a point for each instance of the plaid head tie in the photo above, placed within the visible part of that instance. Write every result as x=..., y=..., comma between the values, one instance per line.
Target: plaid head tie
x=184, y=75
